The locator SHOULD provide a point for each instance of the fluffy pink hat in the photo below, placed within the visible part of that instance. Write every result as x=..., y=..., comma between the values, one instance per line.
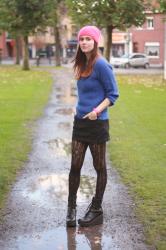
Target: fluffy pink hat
x=91, y=31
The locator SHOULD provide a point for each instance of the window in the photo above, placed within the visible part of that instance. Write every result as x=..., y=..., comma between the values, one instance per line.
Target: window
x=41, y=33
x=8, y=35
x=135, y=47
x=150, y=23
x=139, y=27
x=138, y=56
x=152, y=49
x=74, y=31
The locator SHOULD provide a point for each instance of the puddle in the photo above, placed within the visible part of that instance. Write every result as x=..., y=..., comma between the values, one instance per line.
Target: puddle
x=58, y=96
x=64, y=125
x=60, y=147
x=64, y=111
x=73, y=91
x=67, y=95
x=67, y=239
x=48, y=190
x=58, y=89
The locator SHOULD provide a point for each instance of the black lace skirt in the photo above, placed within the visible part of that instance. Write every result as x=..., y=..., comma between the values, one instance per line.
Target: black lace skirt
x=91, y=131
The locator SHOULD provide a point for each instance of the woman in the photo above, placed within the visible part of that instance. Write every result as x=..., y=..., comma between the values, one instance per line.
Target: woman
x=97, y=89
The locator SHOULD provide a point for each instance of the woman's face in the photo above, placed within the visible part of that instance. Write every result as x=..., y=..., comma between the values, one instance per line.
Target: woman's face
x=86, y=44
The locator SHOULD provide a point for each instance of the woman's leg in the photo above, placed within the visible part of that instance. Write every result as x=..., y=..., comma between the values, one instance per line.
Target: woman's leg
x=94, y=215
x=98, y=152
x=78, y=155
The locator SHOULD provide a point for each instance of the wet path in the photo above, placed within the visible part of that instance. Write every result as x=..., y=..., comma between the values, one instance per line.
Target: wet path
x=36, y=208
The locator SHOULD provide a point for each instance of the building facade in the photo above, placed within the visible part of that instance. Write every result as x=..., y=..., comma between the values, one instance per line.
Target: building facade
x=7, y=46
x=148, y=39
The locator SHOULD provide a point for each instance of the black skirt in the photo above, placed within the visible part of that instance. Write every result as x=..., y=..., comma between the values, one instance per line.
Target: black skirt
x=91, y=131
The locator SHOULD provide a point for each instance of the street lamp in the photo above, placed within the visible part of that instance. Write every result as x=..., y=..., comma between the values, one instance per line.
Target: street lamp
x=165, y=48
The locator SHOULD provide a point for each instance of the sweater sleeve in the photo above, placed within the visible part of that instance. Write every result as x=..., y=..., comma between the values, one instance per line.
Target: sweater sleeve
x=107, y=78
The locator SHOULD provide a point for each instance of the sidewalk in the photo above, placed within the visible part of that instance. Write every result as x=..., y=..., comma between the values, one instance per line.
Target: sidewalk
x=36, y=208
x=153, y=70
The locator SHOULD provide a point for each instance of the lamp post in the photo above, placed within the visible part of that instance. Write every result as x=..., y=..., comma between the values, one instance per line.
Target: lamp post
x=0, y=55
x=165, y=48
x=128, y=42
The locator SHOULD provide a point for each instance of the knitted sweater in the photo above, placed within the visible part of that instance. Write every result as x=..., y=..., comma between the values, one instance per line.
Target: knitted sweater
x=92, y=90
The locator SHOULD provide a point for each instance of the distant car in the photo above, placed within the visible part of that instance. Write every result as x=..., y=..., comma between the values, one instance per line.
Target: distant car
x=133, y=60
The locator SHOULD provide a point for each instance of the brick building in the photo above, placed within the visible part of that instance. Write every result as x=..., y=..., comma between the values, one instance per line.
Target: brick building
x=7, y=45
x=148, y=39
x=3, y=45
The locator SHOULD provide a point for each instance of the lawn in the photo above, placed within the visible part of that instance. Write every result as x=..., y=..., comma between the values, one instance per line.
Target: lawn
x=138, y=149
x=22, y=99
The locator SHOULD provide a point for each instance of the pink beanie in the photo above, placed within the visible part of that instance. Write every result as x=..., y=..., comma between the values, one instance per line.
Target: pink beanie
x=91, y=31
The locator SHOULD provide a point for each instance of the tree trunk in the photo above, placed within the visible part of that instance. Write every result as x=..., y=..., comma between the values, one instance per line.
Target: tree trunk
x=26, y=54
x=107, y=53
x=57, y=46
x=18, y=50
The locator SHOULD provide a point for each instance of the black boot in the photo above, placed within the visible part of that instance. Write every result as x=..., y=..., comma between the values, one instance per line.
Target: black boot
x=93, y=216
x=71, y=213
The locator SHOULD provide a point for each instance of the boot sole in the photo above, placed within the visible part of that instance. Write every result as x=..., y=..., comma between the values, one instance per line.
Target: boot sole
x=98, y=220
x=71, y=223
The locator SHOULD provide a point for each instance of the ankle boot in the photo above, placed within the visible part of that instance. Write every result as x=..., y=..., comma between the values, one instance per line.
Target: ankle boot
x=93, y=216
x=71, y=213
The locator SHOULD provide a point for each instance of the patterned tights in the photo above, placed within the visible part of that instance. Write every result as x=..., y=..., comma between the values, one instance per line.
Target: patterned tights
x=99, y=163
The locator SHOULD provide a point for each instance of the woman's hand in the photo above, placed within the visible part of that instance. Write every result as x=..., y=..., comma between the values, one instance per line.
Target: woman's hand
x=91, y=116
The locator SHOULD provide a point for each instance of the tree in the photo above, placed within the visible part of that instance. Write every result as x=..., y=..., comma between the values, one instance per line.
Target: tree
x=162, y=6
x=109, y=14
x=56, y=17
x=18, y=49
x=25, y=17
x=54, y=23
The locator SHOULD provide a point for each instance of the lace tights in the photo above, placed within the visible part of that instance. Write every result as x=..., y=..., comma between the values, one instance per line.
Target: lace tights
x=99, y=163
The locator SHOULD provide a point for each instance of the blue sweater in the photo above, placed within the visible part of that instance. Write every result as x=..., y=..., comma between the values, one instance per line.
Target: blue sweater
x=92, y=90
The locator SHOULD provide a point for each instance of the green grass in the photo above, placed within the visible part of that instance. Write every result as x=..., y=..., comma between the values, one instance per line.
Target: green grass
x=138, y=149
x=23, y=95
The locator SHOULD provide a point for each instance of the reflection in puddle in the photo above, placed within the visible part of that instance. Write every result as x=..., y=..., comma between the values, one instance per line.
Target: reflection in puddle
x=61, y=147
x=58, y=96
x=67, y=94
x=68, y=239
x=47, y=189
x=58, y=88
x=64, y=111
x=73, y=91
x=64, y=125
x=87, y=185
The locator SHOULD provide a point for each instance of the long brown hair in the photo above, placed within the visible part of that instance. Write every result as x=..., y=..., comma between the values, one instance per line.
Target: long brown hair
x=82, y=67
